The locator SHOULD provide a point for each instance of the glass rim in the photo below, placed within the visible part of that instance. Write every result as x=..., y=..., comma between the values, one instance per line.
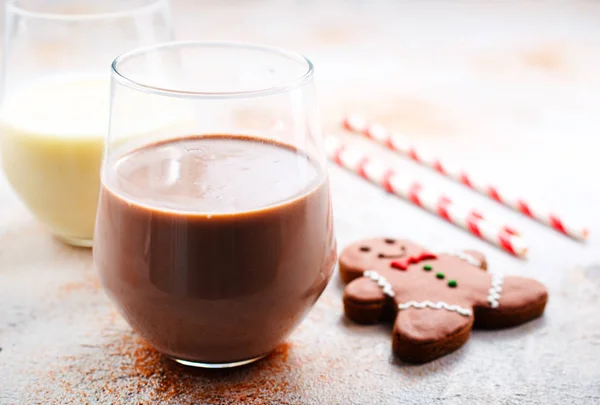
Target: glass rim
x=148, y=88
x=13, y=9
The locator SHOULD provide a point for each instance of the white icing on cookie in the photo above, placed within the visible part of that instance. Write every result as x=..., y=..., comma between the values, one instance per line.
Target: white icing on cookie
x=381, y=282
x=464, y=256
x=493, y=295
x=495, y=290
x=435, y=305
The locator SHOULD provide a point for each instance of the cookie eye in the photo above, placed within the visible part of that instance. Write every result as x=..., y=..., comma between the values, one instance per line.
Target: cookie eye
x=381, y=256
x=389, y=241
x=365, y=249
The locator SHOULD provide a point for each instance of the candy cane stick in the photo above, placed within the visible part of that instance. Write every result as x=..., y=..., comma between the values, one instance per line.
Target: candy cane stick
x=372, y=170
x=403, y=146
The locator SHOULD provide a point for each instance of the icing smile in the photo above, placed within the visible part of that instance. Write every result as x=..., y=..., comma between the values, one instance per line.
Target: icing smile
x=384, y=256
x=399, y=255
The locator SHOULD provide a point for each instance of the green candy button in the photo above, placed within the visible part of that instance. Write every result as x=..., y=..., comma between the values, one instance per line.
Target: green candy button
x=440, y=275
x=427, y=267
x=452, y=283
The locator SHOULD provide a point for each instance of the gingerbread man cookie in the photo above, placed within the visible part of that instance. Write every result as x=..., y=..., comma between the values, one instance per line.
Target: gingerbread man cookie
x=436, y=298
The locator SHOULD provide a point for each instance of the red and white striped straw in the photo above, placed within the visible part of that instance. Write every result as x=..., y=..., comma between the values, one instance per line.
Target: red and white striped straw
x=371, y=169
x=402, y=145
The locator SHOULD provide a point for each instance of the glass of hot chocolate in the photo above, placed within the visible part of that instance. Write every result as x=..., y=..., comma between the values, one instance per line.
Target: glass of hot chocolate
x=214, y=237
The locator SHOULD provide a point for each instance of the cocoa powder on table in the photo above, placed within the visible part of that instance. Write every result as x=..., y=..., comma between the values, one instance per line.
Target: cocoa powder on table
x=128, y=369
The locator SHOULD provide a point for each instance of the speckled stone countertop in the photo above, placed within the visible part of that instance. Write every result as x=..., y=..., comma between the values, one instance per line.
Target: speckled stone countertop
x=509, y=89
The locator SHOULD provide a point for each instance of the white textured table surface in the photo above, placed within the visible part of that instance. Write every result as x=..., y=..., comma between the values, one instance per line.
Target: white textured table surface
x=509, y=89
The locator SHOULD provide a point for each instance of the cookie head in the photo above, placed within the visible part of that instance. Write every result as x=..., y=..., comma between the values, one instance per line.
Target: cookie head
x=374, y=254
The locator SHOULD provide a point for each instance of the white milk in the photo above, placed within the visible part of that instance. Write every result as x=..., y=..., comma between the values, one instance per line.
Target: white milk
x=52, y=135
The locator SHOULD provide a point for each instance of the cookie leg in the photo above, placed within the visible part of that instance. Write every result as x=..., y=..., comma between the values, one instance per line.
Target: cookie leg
x=517, y=300
x=365, y=302
x=422, y=335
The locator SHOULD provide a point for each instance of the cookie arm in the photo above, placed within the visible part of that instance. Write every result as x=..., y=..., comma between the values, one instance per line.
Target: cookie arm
x=366, y=303
x=477, y=255
x=511, y=301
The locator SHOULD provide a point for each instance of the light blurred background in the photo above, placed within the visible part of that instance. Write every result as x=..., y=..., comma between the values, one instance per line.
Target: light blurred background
x=509, y=87
x=504, y=72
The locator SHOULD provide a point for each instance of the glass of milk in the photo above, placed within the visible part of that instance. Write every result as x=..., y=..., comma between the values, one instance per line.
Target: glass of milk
x=55, y=100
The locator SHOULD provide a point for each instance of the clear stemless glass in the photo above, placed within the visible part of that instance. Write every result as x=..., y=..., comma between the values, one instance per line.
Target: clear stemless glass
x=214, y=234
x=55, y=101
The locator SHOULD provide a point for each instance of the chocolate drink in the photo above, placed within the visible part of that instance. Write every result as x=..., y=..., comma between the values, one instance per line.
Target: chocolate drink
x=214, y=247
